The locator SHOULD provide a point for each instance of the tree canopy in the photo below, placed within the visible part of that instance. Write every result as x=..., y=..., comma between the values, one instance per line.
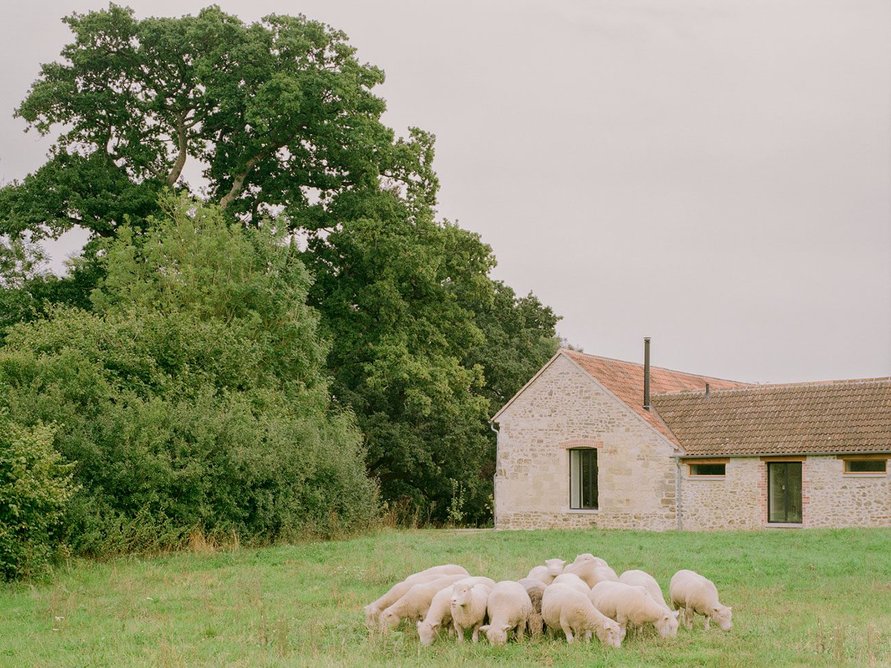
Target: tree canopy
x=194, y=394
x=282, y=121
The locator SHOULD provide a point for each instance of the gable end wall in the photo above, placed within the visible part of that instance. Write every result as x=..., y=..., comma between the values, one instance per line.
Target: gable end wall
x=565, y=408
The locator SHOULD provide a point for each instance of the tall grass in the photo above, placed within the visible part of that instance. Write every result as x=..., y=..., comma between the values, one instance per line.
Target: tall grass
x=800, y=598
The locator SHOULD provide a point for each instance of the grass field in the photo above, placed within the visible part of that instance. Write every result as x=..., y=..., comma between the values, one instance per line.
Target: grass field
x=808, y=598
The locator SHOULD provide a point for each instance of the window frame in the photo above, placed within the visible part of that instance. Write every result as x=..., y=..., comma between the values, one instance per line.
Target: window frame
x=848, y=460
x=692, y=463
x=581, y=454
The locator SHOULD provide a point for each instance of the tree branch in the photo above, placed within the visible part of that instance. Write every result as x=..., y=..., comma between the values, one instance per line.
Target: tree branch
x=177, y=168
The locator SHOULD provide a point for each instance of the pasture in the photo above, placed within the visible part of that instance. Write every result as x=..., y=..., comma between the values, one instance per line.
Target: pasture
x=806, y=598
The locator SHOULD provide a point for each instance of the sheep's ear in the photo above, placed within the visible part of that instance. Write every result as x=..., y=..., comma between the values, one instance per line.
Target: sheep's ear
x=677, y=614
x=506, y=627
x=434, y=626
x=716, y=610
x=484, y=628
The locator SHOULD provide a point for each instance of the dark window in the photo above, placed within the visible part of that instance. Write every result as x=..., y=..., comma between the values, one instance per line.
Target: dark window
x=784, y=492
x=865, y=465
x=583, y=479
x=707, y=469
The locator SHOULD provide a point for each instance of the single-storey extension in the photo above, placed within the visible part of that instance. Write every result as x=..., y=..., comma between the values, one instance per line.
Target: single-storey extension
x=596, y=442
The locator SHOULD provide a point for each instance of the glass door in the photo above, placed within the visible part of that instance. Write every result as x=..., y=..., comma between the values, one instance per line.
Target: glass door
x=784, y=492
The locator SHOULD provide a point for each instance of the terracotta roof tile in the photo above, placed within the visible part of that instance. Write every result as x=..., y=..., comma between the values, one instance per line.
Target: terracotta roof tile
x=835, y=417
x=625, y=380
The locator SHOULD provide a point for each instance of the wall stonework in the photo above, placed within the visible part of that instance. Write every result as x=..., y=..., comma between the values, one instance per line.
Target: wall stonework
x=562, y=408
x=732, y=502
x=830, y=498
x=837, y=499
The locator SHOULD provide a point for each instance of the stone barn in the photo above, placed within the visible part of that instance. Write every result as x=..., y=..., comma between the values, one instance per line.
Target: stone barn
x=596, y=442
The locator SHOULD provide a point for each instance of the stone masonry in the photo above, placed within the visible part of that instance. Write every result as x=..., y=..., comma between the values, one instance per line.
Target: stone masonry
x=565, y=408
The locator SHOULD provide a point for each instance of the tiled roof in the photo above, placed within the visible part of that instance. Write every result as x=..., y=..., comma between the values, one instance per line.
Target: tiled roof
x=625, y=380
x=837, y=417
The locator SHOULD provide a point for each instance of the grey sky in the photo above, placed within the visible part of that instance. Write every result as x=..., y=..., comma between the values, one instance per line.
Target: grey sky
x=715, y=174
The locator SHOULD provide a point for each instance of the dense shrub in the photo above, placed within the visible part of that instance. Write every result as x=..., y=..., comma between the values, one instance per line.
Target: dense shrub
x=193, y=394
x=34, y=488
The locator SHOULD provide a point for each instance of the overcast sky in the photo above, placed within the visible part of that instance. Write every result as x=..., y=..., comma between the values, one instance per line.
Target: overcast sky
x=715, y=174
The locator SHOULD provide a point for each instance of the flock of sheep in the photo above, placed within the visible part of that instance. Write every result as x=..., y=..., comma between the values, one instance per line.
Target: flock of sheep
x=583, y=598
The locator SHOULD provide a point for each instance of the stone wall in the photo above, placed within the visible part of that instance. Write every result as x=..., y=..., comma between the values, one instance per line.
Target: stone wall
x=565, y=408
x=735, y=501
x=838, y=499
x=830, y=497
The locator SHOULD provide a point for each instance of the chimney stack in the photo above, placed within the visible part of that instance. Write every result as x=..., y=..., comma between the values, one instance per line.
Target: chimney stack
x=646, y=403
x=706, y=390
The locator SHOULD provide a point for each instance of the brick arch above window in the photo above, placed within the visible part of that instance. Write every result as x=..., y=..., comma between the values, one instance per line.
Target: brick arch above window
x=579, y=443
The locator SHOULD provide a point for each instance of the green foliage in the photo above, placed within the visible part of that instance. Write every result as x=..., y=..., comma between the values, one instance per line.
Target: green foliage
x=34, y=489
x=425, y=345
x=193, y=395
x=280, y=111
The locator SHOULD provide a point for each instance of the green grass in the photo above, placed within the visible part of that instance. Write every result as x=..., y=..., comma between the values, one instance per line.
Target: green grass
x=800, y=598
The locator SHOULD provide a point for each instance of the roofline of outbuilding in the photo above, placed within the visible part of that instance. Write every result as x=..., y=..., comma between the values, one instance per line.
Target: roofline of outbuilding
x=787, y=453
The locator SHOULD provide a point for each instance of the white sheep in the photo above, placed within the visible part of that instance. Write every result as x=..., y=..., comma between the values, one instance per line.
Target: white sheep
x=373, y=610
x=592, y=572
x=468, y=608
x=535, y=589
x=571, y=580
x=438, y=615
x=415, y=603
x=645, y=580
x=632, y=603
x=568, y=609
x=508, y=607
x=696, y=594
x=587, y=556
x=547, y=572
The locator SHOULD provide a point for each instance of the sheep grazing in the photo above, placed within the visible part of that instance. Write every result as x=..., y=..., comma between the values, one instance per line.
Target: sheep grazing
x=508, y=607
x=592, y=572
x=535, y=589
x=415, y=603
x=568, y=609
x=645, y=580
x=632, y=603
x=571, y=580
x=547, y=572
x=468, y=608
x=438, y=615
x=373, y=610
x=696, y=594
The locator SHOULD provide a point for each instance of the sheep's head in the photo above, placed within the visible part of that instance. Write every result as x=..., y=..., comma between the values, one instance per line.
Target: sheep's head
x=723, y=616
x=388, y=620
x=427, y=632
x=497, y=635
x=610, y=633
x=371, y=613
x=461, y=594
x=667, y=626
x=555, y=566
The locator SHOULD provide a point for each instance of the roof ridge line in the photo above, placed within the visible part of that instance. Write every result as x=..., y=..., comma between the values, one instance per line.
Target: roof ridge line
x=661, y=368
x=769, y=386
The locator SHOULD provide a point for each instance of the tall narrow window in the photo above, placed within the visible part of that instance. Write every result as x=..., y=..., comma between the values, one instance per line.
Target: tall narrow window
x=583, y=479
x=784, y=492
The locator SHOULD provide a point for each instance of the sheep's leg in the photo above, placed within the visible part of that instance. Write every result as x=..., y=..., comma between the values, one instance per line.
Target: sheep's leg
x=460, y=631
x=706, y=622
x=567, y=629
x=475, y=636
x=688, y=618
x=521, y=628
